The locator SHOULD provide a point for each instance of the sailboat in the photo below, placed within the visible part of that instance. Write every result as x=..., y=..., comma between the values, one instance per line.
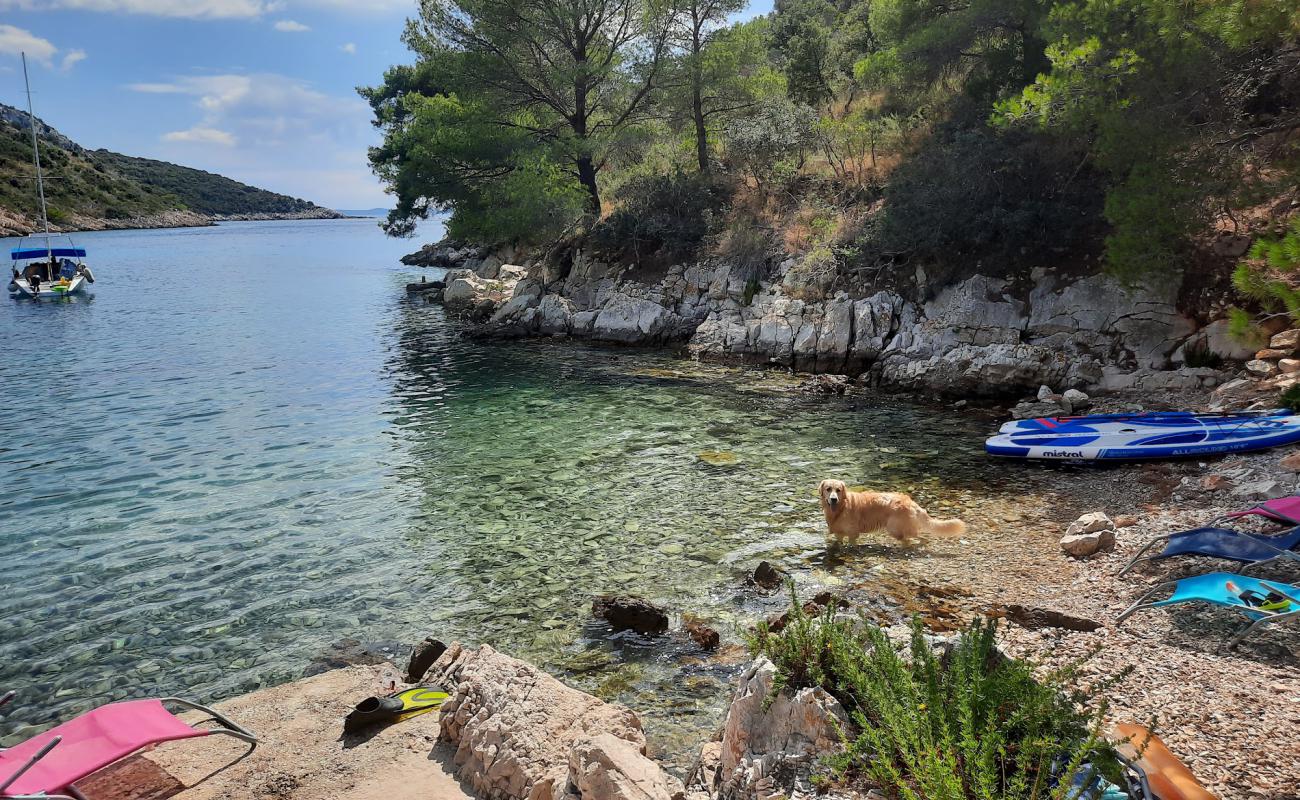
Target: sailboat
x=45, y=271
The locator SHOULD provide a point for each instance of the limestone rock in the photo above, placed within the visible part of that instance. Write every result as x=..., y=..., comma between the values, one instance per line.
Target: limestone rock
x=605, y=767
x=1289, y=365
x=629, y=321
x=1046, y=395
x=1089, y=534
x=1286, y=340
x=1090, y=523
x=1291, y=462
x=777, y=742
x=631, y=613
x=1261, y=368
x=1218, y=339
x=1269, y=354
x=515, y=728
x=1029, y=410
x=1076, y=400
x=1085, y=544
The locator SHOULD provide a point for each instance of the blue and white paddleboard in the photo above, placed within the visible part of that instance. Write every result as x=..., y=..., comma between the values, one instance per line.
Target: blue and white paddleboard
x=1169, y=434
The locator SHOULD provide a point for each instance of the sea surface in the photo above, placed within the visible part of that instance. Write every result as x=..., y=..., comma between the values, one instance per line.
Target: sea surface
x=250, y=445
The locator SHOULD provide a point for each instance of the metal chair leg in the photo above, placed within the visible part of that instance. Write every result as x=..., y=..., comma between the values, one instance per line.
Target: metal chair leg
x=230, y=727
x=1138, y=604
x=1141, y=553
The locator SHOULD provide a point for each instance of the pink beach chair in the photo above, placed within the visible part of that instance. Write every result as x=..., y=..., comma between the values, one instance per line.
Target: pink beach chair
x=45, y=767
x=1282, y=510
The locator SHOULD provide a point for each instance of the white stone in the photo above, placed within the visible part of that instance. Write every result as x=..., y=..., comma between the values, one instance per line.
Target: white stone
x=1286, y=340
x=1090, y=523
x=605, y=767
x=1085, y=544
x=762, y=740
x=1219, y=340
x=1046, y=393
x=1076, y=400
x=1261, y=368
x=515, y=729
x=1289, y=365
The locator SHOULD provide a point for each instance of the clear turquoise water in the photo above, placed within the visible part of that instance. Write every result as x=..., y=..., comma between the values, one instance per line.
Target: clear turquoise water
x=250, y=444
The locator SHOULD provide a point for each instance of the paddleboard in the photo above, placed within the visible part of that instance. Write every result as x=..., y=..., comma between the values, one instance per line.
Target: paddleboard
x=1155, y=435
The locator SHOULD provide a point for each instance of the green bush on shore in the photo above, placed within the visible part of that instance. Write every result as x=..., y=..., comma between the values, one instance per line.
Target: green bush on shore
x=969, y=723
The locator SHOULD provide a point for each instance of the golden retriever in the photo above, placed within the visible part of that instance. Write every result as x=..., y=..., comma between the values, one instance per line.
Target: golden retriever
x=851, y=514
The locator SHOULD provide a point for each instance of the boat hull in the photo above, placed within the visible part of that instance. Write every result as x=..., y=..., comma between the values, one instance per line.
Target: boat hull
x=1133, y=437
x=21, y=289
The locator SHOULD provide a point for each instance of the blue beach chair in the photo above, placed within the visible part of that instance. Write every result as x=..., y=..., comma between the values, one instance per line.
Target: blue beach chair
x=1246, y=548
x=1263, y=602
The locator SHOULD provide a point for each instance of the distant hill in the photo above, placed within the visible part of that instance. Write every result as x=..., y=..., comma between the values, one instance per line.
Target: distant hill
x=102, y=189
x=202, y=191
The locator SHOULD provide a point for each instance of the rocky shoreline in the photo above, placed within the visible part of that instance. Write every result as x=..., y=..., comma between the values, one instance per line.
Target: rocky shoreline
x=13, y=225
x=982, y=335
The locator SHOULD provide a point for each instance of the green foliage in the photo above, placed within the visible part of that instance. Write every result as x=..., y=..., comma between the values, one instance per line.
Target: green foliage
x=106, y=185
x=1268, y=277
x=1172, y=99
x=1290, y=399
x=982, y=195
x=202, y=191
x=967, y=724
x=661, y=217
x=771, y=142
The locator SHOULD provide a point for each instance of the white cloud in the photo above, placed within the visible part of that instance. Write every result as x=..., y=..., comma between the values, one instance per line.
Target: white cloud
x=14, y=41
x=350, y=48
x=289, y=26
x=191, y=9
x=201, y=135
x=273, y=131
x=72, y=58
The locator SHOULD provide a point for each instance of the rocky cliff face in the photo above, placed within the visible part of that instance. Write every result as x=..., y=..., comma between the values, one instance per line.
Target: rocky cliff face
x=983, y=335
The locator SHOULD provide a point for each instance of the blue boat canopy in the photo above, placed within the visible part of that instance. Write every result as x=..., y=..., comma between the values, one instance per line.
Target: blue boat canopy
x=41, y=252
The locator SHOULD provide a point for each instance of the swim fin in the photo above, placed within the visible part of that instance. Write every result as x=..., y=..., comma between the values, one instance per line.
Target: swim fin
x=395, y=707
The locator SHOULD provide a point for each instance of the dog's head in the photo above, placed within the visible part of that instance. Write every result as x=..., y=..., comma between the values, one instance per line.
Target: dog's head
x=833, y=494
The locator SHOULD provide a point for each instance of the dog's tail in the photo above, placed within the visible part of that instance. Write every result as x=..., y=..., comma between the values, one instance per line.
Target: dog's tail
x=948, y=527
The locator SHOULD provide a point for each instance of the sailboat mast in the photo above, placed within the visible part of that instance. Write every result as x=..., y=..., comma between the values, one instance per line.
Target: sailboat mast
x=36, y=158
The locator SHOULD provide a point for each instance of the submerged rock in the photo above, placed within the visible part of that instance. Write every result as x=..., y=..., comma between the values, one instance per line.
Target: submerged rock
x=704, y=636
x=770, y=578
x=631, y=613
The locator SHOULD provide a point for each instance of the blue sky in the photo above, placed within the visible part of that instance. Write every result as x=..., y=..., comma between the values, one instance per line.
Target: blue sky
x=259, y=90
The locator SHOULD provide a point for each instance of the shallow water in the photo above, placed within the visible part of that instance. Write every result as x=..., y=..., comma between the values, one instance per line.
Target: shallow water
x=284, y=451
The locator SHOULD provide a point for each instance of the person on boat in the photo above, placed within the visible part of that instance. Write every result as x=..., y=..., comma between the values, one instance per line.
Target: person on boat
x=52, y=271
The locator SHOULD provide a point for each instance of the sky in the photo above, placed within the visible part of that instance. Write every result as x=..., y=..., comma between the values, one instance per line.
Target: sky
x=262, y=91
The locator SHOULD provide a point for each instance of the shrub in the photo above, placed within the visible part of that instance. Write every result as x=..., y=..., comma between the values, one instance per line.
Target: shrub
x=968, y=724
x=1199, y=354
x=1009, y=199
x=1268, y=276
x=1290, y=398
x=661, y=217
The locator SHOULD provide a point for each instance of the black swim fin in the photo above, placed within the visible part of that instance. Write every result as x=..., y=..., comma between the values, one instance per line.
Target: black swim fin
x=395, y=707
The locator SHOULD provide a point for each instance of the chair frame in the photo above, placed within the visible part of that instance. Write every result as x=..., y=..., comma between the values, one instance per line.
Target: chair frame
x=1165, y=537
x=228, y=727
x=1266, y=617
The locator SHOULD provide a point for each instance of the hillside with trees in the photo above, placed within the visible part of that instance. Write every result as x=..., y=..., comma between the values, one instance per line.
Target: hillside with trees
x=86, y=187
x=859, y=137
